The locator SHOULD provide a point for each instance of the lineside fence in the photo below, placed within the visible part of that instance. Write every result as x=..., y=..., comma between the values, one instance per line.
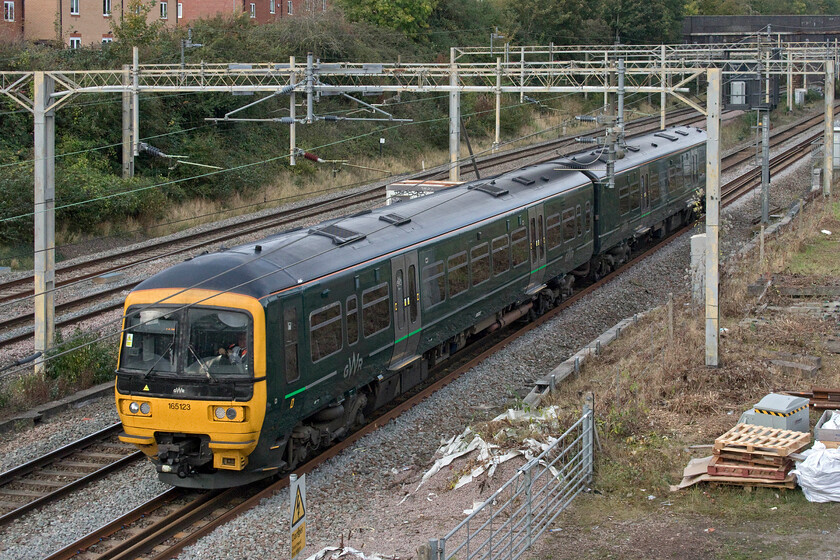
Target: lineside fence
x=515, y=516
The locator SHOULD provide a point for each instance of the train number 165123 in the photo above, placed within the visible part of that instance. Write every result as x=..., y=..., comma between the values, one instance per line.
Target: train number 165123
x=179, y=406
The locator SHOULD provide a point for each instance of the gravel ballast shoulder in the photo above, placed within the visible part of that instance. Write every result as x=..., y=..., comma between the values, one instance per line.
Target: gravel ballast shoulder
x=366, y=496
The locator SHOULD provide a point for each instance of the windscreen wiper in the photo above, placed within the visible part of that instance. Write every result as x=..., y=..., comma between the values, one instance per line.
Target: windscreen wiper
x=168, y=348
x=201, y=364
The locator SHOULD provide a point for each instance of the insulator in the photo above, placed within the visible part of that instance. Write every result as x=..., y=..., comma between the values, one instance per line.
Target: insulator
x=312, y=157
x=151, y=150
x=586, y=118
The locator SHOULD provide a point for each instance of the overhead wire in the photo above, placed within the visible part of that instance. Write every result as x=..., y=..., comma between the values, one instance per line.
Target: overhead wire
x=198, y=284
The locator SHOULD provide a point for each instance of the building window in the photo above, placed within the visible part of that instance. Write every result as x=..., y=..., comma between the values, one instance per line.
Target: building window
x=289, y=7
x=106, y=8
x=164, y=10
x=180, y=10
x=253, y=10
x=106, y=39
x=74, y=7
x=272, y=5
x=9, y=10
x=75, y=42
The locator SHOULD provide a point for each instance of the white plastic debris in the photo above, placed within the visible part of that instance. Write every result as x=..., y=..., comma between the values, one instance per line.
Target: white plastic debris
x=833, y=423
x=344, y=553
x=489, y=455
x=825, y=231
x=819, y=474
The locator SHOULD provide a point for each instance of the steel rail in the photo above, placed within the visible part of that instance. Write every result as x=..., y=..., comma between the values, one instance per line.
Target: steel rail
x=164, y=531
x=54, y=458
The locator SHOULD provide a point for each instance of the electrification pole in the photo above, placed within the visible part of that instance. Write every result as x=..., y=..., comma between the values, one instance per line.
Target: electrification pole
x=44, y=266
x=712, y=215
x=765, y=166
x=828, y=159
x=454, y=120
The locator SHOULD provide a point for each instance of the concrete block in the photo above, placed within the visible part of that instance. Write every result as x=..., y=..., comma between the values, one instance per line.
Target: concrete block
x=801, y=358
x=806, y=370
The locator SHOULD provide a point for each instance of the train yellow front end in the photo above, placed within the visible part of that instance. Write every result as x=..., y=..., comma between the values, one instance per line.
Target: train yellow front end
x=191, y=384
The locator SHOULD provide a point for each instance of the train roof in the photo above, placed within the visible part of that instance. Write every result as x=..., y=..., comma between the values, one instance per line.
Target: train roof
x=295, y=257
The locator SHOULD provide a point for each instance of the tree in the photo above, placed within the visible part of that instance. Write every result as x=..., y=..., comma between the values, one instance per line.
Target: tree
x=649, y=22
x=542, y=22
x=133, y=28
x=408, y=16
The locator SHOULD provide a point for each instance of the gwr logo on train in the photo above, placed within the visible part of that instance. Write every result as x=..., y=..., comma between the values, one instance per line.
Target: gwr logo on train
x=354, y=365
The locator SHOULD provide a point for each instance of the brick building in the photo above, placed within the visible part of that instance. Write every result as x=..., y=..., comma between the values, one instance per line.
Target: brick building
x=84, y=22
x=11, y=27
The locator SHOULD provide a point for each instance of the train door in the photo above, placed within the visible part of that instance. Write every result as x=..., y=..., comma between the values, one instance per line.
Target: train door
x=292, y=343
x=407, y=323
x=536, y=237
x=645, y=186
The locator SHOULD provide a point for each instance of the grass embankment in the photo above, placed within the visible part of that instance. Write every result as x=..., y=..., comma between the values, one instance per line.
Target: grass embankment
x=655, y=397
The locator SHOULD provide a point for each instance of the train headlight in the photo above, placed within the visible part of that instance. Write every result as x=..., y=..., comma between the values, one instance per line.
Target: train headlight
x=134, y=408
x=145, y=408
x=228, y=413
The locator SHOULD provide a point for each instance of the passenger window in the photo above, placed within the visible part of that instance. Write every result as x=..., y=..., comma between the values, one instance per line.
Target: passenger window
x=624, y=200
x=554, y=235
x=501, y=255
x=376, y=310
x=534, y=241
x=588, y=217
x=290, y=330
x=541, y=236
x=352, y=321
x=325, y=331
x=457, y=273
x=568, y=224
x=635, y=201
x=519, y=246
x=579, y=220
x=413, y=296
x=654, y=188
x=434, y=290
x=480, y=263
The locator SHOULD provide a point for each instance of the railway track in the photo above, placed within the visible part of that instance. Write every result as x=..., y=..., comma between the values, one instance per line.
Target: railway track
x=163, y=527
x=68, y=312
x=64, y=470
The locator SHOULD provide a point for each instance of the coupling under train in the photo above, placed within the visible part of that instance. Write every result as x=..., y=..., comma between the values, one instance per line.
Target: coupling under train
x=240, y=364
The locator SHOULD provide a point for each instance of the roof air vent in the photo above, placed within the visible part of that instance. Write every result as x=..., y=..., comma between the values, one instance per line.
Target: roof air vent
x=338, y=234
x=395, y=219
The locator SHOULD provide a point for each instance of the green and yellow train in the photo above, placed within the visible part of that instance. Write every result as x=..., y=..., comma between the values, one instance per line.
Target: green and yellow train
x=239, y=365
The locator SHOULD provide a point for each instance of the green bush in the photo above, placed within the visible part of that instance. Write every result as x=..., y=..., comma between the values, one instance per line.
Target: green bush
x=82, y=360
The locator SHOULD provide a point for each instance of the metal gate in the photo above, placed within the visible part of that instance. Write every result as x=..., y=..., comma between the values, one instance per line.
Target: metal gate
x=515, y=516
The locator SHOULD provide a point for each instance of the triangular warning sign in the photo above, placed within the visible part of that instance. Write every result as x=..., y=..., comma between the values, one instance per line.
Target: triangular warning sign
x=146, y=388
x=300, y=511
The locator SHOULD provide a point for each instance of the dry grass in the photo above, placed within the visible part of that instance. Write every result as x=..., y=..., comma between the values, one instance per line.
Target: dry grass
x=654, y=395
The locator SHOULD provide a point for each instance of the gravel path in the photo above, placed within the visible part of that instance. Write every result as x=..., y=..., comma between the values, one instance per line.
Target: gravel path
x=366, y=497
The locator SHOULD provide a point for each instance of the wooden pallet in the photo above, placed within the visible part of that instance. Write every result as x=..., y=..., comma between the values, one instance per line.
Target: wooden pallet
x=788, y=482
x=720, y=467
x=754, y=458
x=762, y=440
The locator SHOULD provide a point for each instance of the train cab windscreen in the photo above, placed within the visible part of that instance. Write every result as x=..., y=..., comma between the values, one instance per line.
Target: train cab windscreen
x=194, y=342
